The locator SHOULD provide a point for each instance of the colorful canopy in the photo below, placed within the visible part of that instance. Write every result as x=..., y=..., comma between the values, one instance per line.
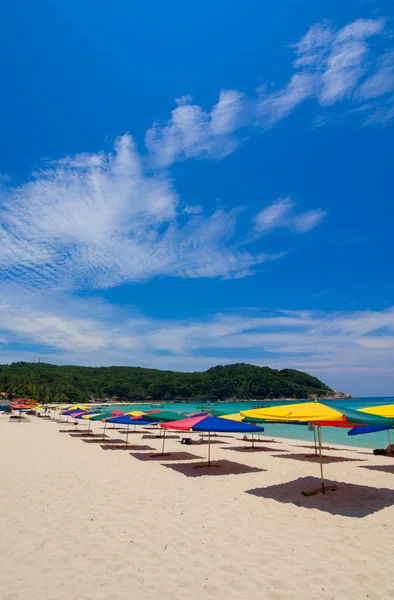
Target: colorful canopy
x=163, y=415
x=84, y=413
x=232, y=417
x=98, y=416
x=129, y=420
x=135, y=413
x=73, y=411
x=303, y=412
x=363, y=418
x=385, y=410
x=211, y=424
x=368, y=429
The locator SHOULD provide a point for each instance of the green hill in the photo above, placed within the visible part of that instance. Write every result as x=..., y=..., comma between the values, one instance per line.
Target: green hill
x=45, y=382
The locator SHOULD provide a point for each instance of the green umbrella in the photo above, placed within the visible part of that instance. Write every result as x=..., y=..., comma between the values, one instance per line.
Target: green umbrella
x=164, y=416
x=100, y=417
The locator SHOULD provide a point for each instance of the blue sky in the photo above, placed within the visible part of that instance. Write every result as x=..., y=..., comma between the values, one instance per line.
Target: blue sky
x=183, y=186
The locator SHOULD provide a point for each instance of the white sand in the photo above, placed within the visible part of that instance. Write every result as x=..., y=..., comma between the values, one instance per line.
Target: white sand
x=81, y=523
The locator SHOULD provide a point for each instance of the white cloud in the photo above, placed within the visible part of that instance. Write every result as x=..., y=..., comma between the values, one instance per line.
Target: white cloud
x=330, y=67
x=345, y=347
x=382, y=81
x=100, y=220
x=192, y=210
x=309, y=220
x=281, y=214
x=191, y=132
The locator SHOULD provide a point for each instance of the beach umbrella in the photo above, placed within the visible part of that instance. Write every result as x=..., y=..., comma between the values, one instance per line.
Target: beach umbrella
x=315, y=413
x=86, y=414
x=384, y=410
x=208, y=424
x=369, y=429
x=135, y=413
x=128, y=420
x=163, y=416
x=73, y=412
x=307, y=412
x=100, y=417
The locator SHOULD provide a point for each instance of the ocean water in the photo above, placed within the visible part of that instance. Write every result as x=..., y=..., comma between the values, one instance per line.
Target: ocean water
x=332, y=435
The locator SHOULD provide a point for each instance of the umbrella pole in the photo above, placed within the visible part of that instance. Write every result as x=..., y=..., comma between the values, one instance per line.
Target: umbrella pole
x=388, y=435
x=314, y=436
x=105, y=425
x=252, y=440
x=209, y=448
x=127, y=435
x=321, y=460
x=164, y=439
x=324, y=488
x=89, y=426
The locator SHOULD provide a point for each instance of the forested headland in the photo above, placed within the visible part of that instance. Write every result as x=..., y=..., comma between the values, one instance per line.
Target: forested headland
x=52, y=383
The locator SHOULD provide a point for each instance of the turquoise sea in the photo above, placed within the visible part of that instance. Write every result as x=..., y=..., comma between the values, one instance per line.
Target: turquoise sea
x=332, y=435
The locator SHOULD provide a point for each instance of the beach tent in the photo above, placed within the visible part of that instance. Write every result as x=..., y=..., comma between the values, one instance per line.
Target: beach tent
x=208, y=424
x=129, y=420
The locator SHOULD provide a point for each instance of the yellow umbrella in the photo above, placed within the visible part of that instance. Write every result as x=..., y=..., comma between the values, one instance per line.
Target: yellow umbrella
x=386, y=410
x=233, y=417
x=135, y=413
x=91, y=415
x=302, y=412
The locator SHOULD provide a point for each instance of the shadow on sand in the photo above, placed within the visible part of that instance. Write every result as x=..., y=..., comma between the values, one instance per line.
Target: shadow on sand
x=218, y=467
x=382, y=468
x=349, y=500
x=251, y=449
x=124, y=447
x=166, y=456
x=312, y=458
x=100, y=440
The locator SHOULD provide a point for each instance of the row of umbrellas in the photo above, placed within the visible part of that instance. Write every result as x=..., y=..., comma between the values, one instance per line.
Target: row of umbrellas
x=316, y=414
x=168, y=420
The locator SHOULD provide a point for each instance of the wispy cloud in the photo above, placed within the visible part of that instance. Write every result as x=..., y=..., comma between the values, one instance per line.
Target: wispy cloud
x=282, y=214
x=96, y=221
x=332, y=67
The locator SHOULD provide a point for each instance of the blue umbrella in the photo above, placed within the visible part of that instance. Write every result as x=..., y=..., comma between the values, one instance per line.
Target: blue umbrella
x=212, y=425
x=129, y=420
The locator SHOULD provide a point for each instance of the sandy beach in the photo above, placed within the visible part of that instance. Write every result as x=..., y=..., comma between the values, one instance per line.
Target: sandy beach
x=84, y=519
